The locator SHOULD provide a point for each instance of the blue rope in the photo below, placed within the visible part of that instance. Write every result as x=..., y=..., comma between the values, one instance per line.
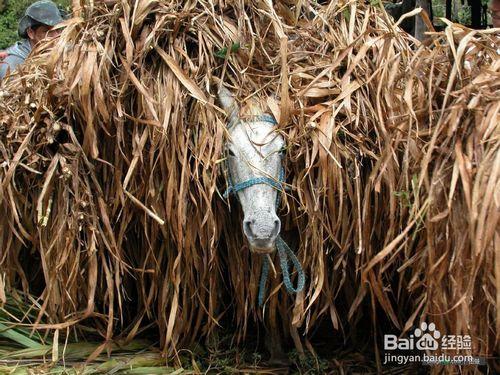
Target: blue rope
x=284, y=252
x=258, y=118
x=233, y=189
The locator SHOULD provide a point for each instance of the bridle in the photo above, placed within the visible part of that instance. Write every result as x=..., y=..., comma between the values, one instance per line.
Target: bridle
x=284, y=252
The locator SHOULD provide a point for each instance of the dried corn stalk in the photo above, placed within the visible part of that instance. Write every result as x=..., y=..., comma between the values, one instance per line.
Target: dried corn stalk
x=111, y=147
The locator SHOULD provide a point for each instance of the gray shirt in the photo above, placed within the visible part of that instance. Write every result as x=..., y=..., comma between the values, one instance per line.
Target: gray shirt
x=17, y=54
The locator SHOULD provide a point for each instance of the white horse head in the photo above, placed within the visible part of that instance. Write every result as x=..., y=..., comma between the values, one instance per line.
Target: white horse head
x=255, y=171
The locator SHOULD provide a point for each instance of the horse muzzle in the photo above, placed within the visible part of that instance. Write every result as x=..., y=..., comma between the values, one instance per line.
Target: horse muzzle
x=261, y=229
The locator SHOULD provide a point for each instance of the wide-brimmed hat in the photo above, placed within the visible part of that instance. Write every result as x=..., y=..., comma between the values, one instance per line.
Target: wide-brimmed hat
x=42, y=12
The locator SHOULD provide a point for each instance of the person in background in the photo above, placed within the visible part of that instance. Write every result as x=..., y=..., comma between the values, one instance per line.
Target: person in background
x=36, y=24
x=495, y=12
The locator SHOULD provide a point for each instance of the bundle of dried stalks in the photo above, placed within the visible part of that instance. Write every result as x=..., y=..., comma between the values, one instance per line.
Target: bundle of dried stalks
x=111, y=145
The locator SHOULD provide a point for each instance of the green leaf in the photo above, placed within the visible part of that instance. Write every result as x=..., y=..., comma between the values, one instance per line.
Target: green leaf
x=347, y=14
x=11, y=334
x=223, y=52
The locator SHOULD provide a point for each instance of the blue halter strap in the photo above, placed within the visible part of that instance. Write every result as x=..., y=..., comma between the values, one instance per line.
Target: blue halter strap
x=284, y=252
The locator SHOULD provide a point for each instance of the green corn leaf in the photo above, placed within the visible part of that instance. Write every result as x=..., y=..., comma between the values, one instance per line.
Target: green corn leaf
x=10, y=333
x=223, y=52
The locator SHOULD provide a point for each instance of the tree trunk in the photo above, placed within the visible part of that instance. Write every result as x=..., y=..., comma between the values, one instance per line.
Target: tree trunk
x=409, y=23
x=475, y=10
x=457, y=5
x=448, y=9
x=420, y=27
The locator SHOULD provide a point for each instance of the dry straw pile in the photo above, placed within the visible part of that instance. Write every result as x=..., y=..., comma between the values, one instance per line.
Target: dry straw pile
x=111, y=149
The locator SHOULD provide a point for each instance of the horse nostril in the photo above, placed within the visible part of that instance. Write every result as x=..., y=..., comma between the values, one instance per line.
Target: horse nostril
x=247, y=227
x=277, y=227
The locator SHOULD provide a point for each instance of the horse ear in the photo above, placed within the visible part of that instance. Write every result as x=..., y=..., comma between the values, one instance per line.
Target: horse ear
x=229, y=104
